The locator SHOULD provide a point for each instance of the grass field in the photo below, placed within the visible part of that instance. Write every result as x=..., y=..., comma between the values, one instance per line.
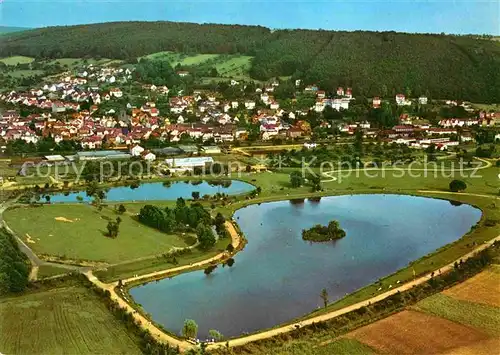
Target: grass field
x=68, y=320
x=468, y=313
x=50, y=270
x=175, y=58
x=487, y=107
x=125, y=270
x=228, y=66
x=16, y=60
x=234, y=66
x=77, y=232
x=25, y=73
x=74, y=63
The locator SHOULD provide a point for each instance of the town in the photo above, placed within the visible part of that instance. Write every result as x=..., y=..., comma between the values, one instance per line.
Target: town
x=104, y=107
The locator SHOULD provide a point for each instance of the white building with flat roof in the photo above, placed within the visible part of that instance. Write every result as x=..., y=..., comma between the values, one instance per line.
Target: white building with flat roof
x=188, y=163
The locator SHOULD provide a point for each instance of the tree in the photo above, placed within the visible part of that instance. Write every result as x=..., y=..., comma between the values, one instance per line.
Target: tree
x=230, y=262
x=230, y=248
x=296, y=179
x=219, y=219
x=315, y=181
x=190, y=329
x=113, y=227
x=457, y=186
x=358, y=141
x=206, y=238
x=14, y=265
x=195, y=195
x=215, y=335
x=324, y=297
x=180, y=203
x=208, y=270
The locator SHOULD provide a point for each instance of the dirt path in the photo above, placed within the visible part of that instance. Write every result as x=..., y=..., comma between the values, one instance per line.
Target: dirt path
x=145, y=323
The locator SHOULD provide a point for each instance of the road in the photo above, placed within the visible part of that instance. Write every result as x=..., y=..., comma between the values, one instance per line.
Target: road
x=145, y=323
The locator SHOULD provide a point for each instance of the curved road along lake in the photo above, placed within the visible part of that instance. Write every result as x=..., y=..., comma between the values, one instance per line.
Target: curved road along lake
x=156, y=191
x=278, y=276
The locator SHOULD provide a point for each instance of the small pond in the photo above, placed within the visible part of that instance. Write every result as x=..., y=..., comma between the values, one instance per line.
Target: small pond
x=279, y=277
x=157, y=191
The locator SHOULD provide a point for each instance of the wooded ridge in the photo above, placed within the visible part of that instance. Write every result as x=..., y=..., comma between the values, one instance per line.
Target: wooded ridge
x=372, y=63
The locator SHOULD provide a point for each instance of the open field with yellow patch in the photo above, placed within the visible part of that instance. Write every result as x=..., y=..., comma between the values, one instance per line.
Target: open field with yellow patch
x=69, y=320
x=483, y=288
x=78, y=232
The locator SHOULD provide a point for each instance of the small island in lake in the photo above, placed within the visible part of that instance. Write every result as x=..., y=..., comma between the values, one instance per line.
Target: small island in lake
x=320, y=233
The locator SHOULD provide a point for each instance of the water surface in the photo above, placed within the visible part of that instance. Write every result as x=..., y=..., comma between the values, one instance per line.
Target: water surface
x=156, y=191
x=278, y=276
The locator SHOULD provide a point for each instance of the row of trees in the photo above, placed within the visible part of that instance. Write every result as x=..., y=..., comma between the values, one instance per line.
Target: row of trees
x=45, y=145
x=190, y=330
x=14, y=265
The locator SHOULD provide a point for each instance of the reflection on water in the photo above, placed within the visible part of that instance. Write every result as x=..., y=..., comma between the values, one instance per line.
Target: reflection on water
x=278, y=276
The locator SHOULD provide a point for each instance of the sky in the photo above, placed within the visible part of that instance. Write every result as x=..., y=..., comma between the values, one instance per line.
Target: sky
x=424, y=16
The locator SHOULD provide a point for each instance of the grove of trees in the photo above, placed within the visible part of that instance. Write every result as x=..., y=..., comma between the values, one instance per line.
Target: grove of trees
x=14, y=265
x=319, y=233
x=181, y=218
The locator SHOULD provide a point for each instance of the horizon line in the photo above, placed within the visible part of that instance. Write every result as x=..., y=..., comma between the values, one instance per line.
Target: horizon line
x=249, y=25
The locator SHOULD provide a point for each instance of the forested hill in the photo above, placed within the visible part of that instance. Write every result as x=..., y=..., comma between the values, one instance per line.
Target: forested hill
x=125, y=40
x=373, y=63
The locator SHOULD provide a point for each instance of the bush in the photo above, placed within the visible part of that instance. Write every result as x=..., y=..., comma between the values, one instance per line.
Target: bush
x=457, y=186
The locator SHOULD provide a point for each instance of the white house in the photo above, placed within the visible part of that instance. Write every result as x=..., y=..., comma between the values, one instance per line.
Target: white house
x=148, y=156
x=116, y=93
x=309, y=145
x=400, y=99
x=136, y=150
x=249, y=105
x=422, y=100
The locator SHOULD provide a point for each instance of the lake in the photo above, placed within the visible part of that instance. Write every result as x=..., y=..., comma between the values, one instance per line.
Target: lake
x=278, y=276
x=156, y=191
